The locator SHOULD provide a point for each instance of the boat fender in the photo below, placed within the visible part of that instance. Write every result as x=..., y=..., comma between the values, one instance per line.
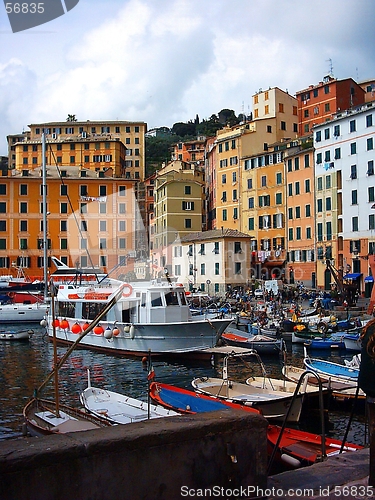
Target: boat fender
x=108, y=333
x=129, y=290
x=127, y=328
x=64, y=324
x=291, y=461
x=115, y=332
x=43, y=323
x=322, y=327
x=76, y=328
x=132, y=332
x=98, y=330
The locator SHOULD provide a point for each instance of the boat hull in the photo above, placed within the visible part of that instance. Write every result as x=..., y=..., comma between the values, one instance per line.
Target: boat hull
x=191, y=339
x=41, y=420
x=23, y=313
x=16, y=335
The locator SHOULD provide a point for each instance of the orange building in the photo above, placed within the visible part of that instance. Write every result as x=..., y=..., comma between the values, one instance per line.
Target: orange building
x=189, y=151
x=84, y=144
x=90, y=219
x=319, y=102
x=300, y=213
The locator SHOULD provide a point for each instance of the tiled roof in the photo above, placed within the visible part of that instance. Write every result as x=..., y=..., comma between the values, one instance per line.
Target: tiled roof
x=214, y=234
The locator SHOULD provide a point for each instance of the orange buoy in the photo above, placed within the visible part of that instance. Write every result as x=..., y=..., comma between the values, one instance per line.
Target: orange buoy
x=116, y=332
x=64, y=324
x=56, y=323
x=98, y=330
x=76, y=328
x=85, y=326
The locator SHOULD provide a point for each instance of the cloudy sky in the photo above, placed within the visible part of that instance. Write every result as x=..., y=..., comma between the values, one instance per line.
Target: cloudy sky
x=163, y=61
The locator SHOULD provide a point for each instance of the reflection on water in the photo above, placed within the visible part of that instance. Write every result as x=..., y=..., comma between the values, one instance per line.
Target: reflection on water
x=25, y=365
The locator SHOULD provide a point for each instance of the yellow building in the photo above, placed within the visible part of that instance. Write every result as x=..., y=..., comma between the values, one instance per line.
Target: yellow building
x=90, y=219
x=88, y=144
x=179, y=208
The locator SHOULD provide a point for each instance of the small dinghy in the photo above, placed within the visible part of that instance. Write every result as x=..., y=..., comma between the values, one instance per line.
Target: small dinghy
x=16, y=334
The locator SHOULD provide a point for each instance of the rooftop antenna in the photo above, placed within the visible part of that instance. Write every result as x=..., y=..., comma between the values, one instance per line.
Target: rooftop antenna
x=330, y=67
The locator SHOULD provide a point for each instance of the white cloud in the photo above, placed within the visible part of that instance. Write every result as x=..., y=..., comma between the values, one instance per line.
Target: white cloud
x=166, y=61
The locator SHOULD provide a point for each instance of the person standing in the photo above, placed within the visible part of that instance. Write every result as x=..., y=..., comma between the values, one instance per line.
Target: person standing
x=366, y=382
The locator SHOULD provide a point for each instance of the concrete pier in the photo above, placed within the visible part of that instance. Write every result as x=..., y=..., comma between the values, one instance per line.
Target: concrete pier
x=148, y=460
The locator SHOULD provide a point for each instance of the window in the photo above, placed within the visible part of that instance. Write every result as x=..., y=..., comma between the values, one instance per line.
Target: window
x=327, y=107
x=337, y=153
x=336, y=130
x=237, y=268
x=371, y=221
x=290, y=189
x=249, y=183
x=234, y=194
x=370, y=167
x=203, y=269
x=122, y=243
x=217, y=268
x=354, y=223
x=237, y=247
x=102, y=208
x=63, y=244
x=63, y=190
x=63, y=226
x=371, y=194
x=326, y=133
x=308, y=233
x=289, y=165
x=354, y=197
x=307, y=186
x=187, y=223
x=306, y=113
x=251, y=223
x=122, y=208
x=290, y=213
x=23, y=225
x=369, y=121
x=327, y=156
x=298, y=233
x=202, y=249
x=23, y=207
x=187, y=190
x=235, y=213
x=188, y=205
x=296, y=187
x=328, y=204
x=251, y=203
x=3, y=225
x=224, y=178
x=283, y=125
x=353, y=148
x=290, y=234
x=23, y=190
x=307, y=161
x=318, y=136
x=225, y=214
x=328, y=181
x=63, y=208
x=23, y=243
x=353, y=171
x=216, y=247
x=308, y=210
x=224, y=196
x=298, y=212
x=264, y=181
x=279, y=199
x=83, y=225
x=319, y=203
x=370, y=143
x=279, y=178
x=102, y=225
x=352, y=126
x=319, y=158
x=319, y=227
x=329, y=230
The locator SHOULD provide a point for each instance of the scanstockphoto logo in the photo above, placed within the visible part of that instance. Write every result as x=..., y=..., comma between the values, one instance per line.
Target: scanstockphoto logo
x=28, y=14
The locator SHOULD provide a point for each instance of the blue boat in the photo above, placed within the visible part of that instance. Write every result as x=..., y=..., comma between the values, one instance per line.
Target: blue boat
x=184, y=401
x=331, y=342
x=335, y=371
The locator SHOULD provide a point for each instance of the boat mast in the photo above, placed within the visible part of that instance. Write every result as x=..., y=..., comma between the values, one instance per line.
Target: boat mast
x=44, y=204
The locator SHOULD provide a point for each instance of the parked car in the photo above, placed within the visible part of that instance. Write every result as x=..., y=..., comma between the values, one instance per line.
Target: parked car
x=258, y=293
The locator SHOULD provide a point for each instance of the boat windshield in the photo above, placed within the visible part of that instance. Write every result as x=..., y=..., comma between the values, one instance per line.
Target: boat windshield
x=171, y=298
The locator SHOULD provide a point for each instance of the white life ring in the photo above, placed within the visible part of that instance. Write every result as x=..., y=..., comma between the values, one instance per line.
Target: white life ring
x=129, y=290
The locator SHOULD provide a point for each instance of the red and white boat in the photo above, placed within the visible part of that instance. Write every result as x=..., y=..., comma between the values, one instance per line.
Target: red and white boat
x=299, y=448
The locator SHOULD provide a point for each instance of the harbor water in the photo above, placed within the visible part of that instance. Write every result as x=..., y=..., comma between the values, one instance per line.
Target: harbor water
x=25, y=364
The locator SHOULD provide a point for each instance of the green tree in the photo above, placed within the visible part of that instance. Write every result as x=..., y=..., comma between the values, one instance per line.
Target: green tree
x=71, y=118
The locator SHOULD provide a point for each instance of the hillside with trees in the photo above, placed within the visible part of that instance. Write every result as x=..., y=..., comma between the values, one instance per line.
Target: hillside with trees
x=159, y=148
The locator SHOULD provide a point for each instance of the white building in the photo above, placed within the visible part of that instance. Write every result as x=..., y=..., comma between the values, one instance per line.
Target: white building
x=345, y=184
x=213, y=261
